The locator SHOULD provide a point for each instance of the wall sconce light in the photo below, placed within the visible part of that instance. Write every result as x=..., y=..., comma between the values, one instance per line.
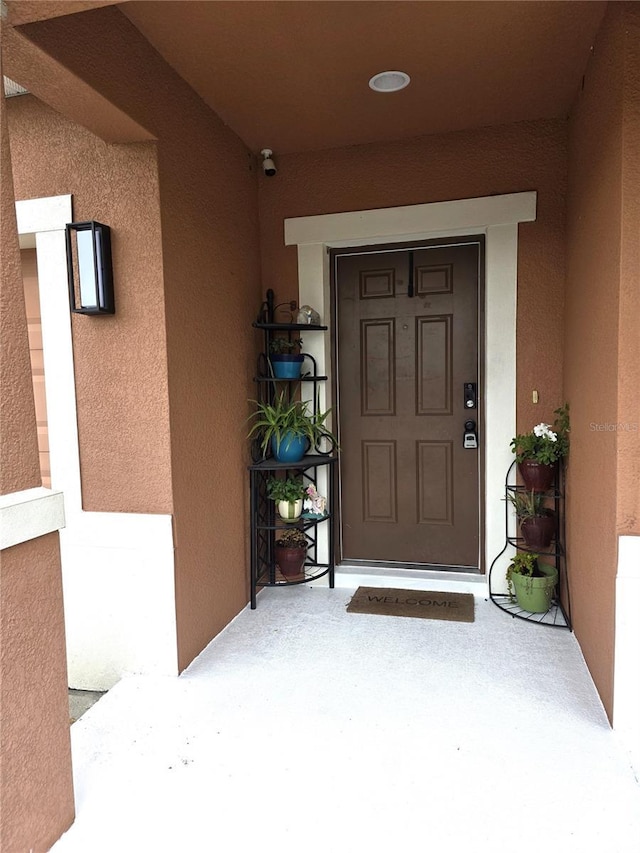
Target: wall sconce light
x=89, y=268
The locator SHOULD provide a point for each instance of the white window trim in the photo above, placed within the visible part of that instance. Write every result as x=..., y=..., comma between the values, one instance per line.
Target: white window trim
x=29, y=514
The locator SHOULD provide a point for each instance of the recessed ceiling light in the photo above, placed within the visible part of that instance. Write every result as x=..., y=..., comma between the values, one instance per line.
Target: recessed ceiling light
x=389, y=81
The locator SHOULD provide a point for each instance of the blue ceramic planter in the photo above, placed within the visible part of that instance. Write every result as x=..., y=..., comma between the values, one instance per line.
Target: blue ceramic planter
x=292, y=448
x=287, y=366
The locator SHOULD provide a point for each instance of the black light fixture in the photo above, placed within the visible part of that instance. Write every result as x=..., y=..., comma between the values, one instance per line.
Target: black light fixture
x=89, y=268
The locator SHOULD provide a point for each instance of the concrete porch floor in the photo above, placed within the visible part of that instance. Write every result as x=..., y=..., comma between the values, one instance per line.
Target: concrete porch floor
x=80, y=701
x=303, y=727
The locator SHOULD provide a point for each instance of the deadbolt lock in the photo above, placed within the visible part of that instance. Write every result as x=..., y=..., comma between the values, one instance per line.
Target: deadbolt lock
x=470, y=395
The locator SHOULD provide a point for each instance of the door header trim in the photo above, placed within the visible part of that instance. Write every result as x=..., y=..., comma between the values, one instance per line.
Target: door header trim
x=412, y=221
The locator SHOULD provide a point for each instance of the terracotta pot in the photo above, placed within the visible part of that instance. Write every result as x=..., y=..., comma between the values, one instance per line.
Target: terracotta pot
x=290, y=560
x=538, y=532
x=536, y=476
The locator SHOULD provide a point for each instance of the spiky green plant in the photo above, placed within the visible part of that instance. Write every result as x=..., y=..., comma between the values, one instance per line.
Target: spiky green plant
x=275, y=420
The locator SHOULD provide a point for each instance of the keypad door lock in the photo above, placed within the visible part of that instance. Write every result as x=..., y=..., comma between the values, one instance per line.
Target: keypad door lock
x=470, y=395
x=470, y=441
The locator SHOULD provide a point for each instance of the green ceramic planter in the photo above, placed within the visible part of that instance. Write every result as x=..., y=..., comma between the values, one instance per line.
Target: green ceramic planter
x=534, y=594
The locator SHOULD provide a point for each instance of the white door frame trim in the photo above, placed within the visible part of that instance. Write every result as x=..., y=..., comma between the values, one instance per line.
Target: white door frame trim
x=496, y=217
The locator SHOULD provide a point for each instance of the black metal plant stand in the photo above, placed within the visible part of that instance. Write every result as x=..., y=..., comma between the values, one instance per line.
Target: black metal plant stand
x=559, y=614
x=265, y=523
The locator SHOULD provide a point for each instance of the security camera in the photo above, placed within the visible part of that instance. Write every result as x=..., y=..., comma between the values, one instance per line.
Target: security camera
x=268, y=166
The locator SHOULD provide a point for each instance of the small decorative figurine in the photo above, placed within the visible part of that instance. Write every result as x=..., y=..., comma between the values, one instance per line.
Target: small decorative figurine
x=315, y=505
x=308, y=316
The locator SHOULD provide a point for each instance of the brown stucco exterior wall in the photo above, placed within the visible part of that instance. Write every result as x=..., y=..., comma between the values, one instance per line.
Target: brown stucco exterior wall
x=512, y=158
x=601, y=336
x=210, y=272
x=19, y=467
x=211, y=267
x=628, y=509
x=120, y=361
x=212, y=296
x=36, y=788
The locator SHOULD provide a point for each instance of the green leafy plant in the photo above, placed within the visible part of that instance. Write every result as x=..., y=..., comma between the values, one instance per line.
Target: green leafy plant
x=528, y=504
x=290, y=489
x=282, y=416
x=546, y=443
x=524, y=564
x=284, y=346
x=292, y=538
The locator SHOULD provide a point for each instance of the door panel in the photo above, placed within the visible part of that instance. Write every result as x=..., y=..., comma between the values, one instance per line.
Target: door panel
x=409, y=490
x=379, y=482
x=434, y=375
x=435, y=482
x=377, y=367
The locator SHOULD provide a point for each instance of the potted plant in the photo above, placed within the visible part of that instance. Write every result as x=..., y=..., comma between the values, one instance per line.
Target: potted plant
x=537, y=452
x=537, y=522
x=288, y=493
x=289, y=429
x=285, y=357
x=532, y=581
x=291, y=552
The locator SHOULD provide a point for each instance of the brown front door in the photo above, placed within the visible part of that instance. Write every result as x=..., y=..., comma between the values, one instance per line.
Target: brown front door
x=406, y=344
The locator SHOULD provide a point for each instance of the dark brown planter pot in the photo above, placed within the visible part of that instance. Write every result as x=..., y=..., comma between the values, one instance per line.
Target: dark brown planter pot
x=536, y=476
x=290, y=560
x=538, y=532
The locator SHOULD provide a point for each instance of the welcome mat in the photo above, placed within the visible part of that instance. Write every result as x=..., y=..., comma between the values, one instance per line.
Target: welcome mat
x=451, y=606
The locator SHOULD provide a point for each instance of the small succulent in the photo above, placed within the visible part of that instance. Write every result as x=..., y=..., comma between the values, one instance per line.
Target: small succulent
x=283, y=346
x=525, y=564
x=293, y=538
x=528, y=504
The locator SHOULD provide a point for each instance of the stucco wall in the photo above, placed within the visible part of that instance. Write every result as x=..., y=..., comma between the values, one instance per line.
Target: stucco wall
x=629, y=306
x=120, y=361
x=35, y=786
x=601, y=340
x=210, y=269
x=513, y=158
x=19, y=468
x=36, y=793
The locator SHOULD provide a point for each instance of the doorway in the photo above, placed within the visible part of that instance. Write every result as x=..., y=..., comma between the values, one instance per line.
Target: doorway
x=497, y=218
x=409, y=398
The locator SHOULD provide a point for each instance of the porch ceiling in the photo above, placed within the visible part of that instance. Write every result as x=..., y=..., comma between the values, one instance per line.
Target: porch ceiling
x=293, y=76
